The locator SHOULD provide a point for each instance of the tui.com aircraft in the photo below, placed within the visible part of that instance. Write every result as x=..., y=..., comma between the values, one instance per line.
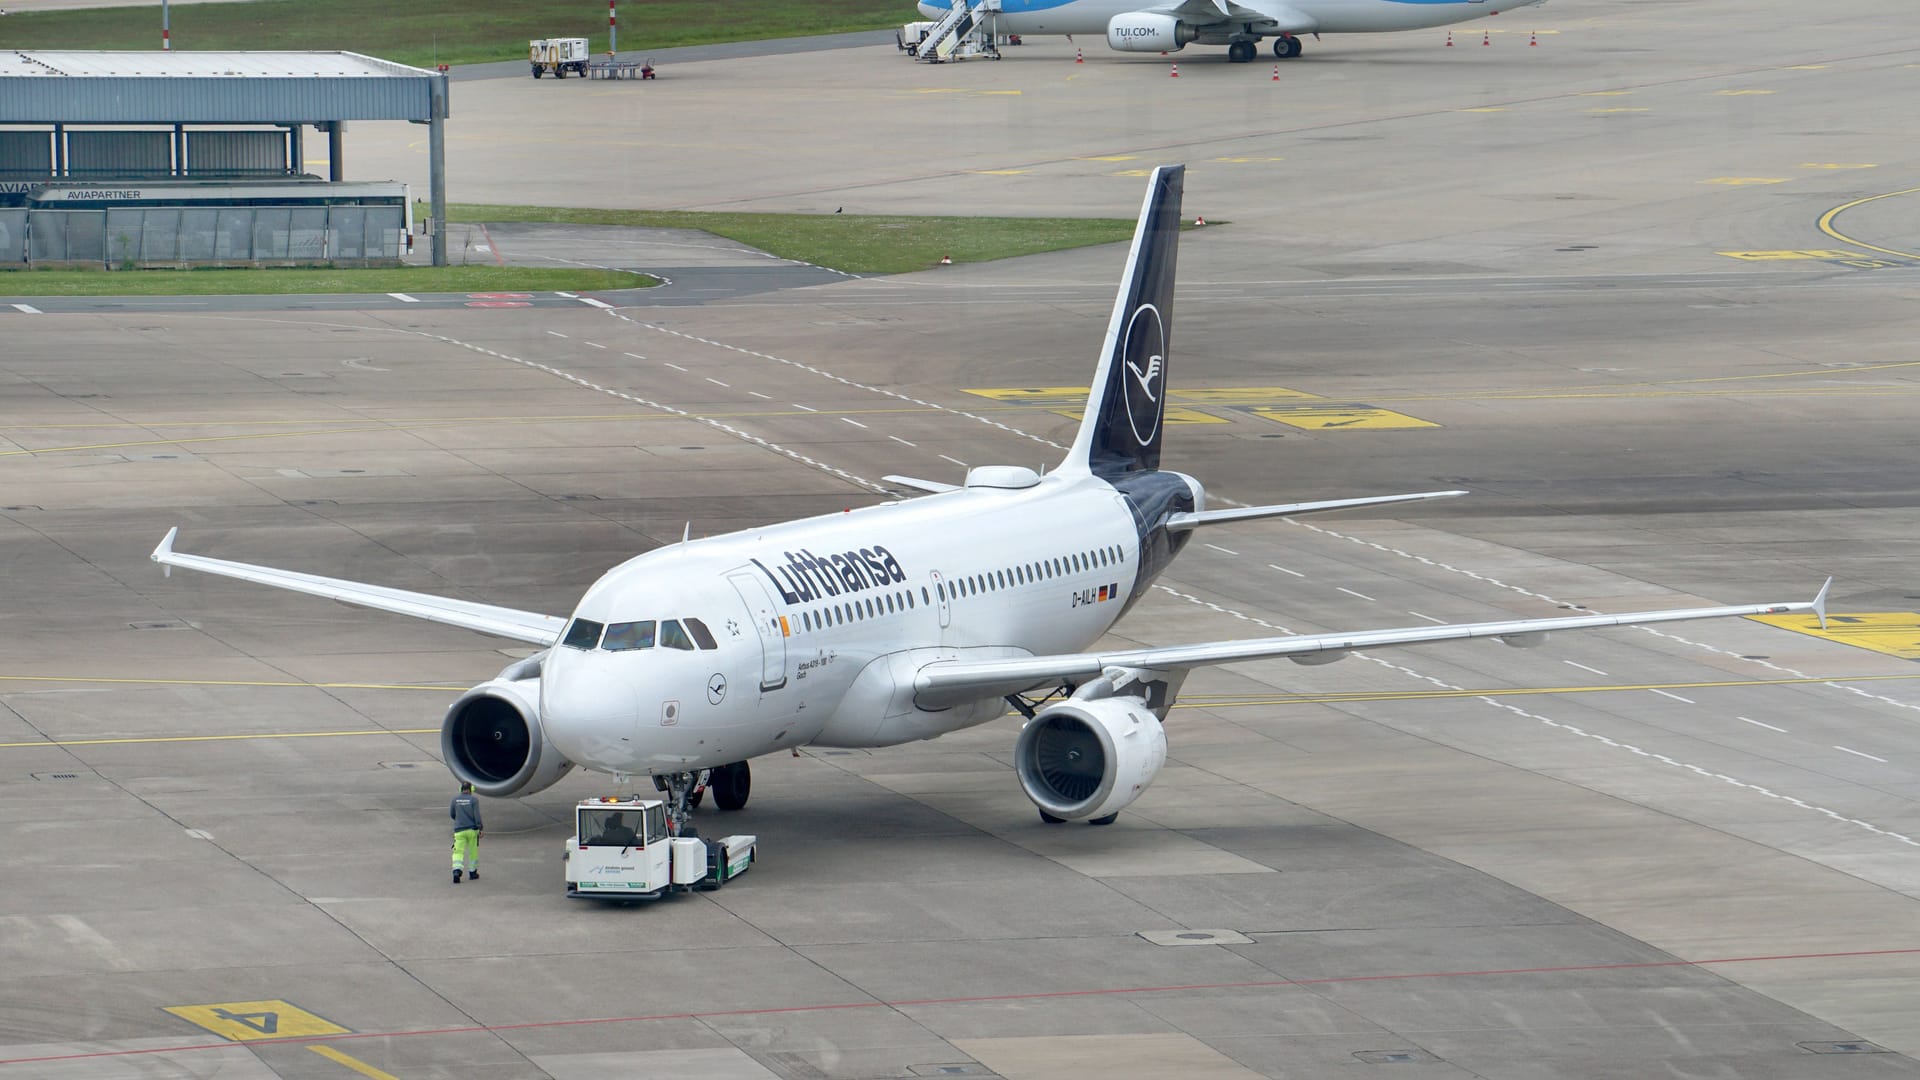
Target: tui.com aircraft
x=901, y=621
x=1171, y=25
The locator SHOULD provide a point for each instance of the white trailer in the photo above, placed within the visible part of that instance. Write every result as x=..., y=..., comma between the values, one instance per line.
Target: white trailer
x=558, y=56
x=621, y=850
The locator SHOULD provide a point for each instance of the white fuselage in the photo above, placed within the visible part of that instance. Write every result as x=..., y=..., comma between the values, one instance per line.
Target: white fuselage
x=802, y=657
x=1326, y=16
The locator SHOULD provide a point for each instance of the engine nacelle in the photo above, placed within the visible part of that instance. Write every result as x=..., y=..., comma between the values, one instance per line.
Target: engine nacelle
x=492, y=740
x=1087, y=759
x=1147, y=31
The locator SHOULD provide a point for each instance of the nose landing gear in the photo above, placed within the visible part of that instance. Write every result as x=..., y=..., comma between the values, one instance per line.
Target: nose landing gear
x=731, y=785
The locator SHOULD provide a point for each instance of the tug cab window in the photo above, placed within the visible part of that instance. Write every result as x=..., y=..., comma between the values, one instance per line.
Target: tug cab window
x=583, y=634
x=701, y=635
x=627, y=636
x=672, y=637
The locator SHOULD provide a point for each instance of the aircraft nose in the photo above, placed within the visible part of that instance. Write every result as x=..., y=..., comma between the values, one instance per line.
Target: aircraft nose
x=579, y=694
x=930, y=11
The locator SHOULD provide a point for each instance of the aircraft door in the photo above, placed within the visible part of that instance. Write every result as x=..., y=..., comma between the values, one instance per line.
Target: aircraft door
x=771, y=626
x=940, y=596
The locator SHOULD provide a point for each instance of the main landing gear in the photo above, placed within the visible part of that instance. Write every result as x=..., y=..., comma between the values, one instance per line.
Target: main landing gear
x=730, y=785
x=1240, y=52
x=1285, y=48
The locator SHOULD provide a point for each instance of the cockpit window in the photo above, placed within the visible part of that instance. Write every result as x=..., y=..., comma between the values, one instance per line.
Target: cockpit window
x=701, y=635
x=583, y=634
x=622, y=636
x=672, y=637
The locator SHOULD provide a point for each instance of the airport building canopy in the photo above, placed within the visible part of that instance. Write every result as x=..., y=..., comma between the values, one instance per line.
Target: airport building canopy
x=184, y=87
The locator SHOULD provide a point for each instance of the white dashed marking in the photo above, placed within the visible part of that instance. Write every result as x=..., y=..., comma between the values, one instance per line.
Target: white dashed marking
x=1584, y=667
x=28, y=309
x=1221, y=550
x=595, y=303
x=404, y=298
x=855, y=423
x=717, y=382
x=955, y=460
x=1757, y=723
x=901, y=441
x=675, y=367
x=568, y=295
x=1676, y=697
x=1297, y=573
x=1350, y=592
x=1857, y=753
x=758, y=394
x=594, y=344
x=1429, y=618
x=809, y=408
x=556, y=333
x=635, y=355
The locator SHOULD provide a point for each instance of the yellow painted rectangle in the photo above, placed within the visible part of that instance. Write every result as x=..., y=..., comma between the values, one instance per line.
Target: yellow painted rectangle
x=1339, y=417
x=1174, y=415
x=1741, y=93
x=244, y=1021
x=1896, y=633
x=1741, y=181
x=1033, y=395
x=1838, y=165
x=1780, y=256
x=1240, y=395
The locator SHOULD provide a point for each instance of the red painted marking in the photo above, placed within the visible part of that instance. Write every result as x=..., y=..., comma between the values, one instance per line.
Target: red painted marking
x=498, y=303
x=491, y=246
x=1264, y=984
x=499, y=296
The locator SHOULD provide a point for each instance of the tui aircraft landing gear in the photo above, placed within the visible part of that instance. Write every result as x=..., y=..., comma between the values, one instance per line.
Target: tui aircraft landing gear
x=1285, y=47
x=1240, y=52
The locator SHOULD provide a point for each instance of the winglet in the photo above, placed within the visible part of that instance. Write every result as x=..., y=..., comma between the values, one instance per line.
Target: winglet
x=1820, y=603
x=161, y=553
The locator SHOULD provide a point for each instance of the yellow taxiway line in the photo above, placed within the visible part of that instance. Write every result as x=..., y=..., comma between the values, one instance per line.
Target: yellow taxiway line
x=1826, y=223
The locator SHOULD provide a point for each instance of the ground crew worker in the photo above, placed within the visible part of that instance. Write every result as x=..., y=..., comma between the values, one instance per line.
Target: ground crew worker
x=465, y=813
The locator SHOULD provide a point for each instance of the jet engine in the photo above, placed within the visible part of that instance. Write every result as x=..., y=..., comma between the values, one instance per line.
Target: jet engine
x=1147, y=31
x=1087, y=759
x=492, y=739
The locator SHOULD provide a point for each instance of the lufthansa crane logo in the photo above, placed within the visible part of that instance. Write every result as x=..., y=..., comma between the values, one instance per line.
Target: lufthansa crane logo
x=1145, y=357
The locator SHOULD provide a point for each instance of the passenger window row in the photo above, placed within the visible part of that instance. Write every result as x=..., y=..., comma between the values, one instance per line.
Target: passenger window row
x=966, y=585
x=643, y=634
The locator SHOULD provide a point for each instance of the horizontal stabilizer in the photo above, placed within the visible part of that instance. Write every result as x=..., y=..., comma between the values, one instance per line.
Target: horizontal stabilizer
x=932, y=487
x=1183, y=522
x=503, y=622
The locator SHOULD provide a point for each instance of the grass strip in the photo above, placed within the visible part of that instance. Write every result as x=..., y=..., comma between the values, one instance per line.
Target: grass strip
x=406, y=279
x=854, y=243
x=425, y=32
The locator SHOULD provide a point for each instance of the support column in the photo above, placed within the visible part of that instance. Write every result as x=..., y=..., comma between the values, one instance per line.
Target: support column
x=437, y=167
x=337, y=151
x=298, y=163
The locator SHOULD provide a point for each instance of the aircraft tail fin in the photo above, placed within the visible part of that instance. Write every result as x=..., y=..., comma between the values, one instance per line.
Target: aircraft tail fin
x=1120, y=432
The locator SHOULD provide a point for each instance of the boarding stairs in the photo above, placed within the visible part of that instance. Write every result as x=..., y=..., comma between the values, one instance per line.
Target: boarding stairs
x=950, y=38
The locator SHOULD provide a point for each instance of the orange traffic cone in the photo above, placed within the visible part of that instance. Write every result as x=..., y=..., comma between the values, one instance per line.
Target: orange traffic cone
x=1533, y=38
x=1078, y=58
x=1449, y=39
x=1198, y=220
x=1486, y=38
x=946, y=260
x=1276, y=73
x=1175, y=73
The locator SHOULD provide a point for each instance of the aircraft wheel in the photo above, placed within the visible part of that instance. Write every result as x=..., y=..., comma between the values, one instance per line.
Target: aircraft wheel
x=731, y=785
x=1240, y=52
x=1105, y=819
x=1051, y=820
x=1293, y=47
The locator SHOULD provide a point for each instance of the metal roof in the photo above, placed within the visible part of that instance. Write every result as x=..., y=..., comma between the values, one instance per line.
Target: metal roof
x=185, y=87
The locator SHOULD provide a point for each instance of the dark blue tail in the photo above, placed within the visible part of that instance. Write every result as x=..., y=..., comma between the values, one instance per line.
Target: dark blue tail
x=1120, y=432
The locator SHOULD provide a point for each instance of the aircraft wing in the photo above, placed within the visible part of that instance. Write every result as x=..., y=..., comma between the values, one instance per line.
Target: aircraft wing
x=487, y=619
x=947, y=682
x=1267, y=13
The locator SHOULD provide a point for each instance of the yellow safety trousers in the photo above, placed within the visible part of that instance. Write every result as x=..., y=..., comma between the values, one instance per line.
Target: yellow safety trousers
x=466, y=849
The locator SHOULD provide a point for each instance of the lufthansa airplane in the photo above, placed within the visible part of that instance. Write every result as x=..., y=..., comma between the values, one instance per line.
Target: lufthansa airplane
x=901, y=621
x=1171, y=25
